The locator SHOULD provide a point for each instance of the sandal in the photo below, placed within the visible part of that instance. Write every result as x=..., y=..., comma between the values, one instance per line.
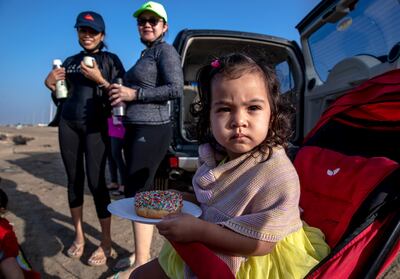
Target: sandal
x=119, y=192
x=76, y=250
x=112, y=186
x=123, y=264
x=100, y=255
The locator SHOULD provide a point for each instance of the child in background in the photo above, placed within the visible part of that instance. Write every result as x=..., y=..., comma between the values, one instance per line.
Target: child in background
x=116, y=131
x=246, y=185
x=12, y=263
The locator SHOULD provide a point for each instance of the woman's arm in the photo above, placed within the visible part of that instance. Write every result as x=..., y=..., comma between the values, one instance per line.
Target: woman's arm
x=170, y=74
x=94, y=73
x=186, y=228
x=52, y=77
x=169, y=71
x=118, y=93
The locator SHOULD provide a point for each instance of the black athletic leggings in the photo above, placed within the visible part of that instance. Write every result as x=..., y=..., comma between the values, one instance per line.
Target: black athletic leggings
x=145, y=147
x=80, y=143
x=116, y=161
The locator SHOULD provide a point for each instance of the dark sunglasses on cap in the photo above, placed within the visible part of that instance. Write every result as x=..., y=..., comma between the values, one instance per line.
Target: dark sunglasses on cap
x=141, y=21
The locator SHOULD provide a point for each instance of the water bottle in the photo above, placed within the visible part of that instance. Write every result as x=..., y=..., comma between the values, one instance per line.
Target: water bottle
x=119, y=110
x=88, y=61
x=61, y=87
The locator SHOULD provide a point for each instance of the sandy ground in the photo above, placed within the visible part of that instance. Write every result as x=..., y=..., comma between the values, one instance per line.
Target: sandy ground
x=34, y=179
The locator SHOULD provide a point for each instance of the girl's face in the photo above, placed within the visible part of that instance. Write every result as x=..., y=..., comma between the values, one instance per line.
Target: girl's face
x=89, y=38
x=151, y=26
x=240, y=112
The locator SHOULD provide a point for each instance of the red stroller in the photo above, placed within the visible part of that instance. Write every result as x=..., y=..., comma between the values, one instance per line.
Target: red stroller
x=350, y=175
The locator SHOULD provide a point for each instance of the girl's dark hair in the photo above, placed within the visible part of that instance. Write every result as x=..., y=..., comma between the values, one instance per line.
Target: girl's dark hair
x=234, y=66
x=3, y=199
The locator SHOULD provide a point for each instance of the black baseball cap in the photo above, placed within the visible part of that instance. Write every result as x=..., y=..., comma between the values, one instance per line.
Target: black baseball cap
x=92, y=20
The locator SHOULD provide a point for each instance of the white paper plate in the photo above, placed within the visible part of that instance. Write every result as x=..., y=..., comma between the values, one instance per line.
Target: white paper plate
x=125, y=208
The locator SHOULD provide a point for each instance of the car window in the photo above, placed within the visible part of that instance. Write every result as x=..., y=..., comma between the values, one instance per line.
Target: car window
x=285, y=76
x=372, y=29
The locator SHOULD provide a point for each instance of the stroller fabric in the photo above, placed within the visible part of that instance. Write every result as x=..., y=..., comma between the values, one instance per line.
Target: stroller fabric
x=349, y=174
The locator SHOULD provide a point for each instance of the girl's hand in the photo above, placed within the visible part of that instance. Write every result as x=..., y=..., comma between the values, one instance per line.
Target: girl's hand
x=180, y=227
x=119, y=93
x=53, y=76
x=93, y=73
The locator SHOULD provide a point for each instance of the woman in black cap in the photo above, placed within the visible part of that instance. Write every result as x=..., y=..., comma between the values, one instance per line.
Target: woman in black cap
x=83, y=128
x=154, y=80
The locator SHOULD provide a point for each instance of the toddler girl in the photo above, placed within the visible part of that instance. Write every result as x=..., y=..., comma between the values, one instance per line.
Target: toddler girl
x=246, y=185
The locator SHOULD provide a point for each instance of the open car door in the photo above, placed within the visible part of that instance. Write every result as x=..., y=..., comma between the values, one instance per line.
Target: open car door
x=198, y=47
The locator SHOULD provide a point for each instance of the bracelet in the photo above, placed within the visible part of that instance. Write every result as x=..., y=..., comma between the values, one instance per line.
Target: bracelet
x=102, y=85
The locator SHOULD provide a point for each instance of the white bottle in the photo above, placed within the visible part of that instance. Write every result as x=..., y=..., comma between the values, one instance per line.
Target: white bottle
x=88, y=61
x=61, y=87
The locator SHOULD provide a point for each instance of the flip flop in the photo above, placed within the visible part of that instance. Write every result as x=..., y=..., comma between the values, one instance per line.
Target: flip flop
x=112, y=186
x=75, y=250
x=117, y=193
x=100, y=255
x=123, y=264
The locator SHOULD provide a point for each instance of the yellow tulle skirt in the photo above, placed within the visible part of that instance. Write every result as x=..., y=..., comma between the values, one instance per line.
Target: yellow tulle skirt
x=293, y=257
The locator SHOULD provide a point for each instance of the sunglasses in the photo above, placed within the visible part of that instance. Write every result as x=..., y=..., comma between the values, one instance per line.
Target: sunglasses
x=87, y=30
x=152, y=20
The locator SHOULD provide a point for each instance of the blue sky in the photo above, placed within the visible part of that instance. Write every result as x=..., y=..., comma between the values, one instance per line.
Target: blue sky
x=33, y=33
